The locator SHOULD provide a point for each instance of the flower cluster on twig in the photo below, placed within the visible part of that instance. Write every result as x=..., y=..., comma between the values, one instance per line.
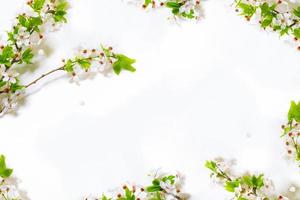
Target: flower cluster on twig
x=164, y=186
x=281, y=16
x=245, y=187
x=21, y=44
x=291, y=132
x=180, y=9
x=23, y=41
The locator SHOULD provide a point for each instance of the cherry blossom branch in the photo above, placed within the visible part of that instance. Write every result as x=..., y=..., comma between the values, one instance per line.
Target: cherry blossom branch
x=180, y=9
x=163, y=186
x=280, y=16
x=244, y=187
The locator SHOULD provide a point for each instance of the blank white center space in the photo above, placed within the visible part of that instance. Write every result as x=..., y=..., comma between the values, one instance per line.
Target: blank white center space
x=220, y=87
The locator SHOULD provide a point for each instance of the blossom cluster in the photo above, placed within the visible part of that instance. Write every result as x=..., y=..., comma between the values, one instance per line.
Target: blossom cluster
x=291, y=132
x=7, y=191
x=245, y=187
x=281, y=16
x=180, y=9
x=21, y=44
x=164, y=186
x=102, y=60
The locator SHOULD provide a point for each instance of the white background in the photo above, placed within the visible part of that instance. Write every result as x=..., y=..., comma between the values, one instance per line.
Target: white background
x=220, y=87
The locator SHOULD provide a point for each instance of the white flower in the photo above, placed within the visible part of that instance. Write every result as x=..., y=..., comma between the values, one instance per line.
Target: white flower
x=142, y=195
x=23, y=37
x=35, y=38
x=10, y=192
x=9, y=102
x=168, y=187
x=187, y=7
x=10, y=75
x=292, y=189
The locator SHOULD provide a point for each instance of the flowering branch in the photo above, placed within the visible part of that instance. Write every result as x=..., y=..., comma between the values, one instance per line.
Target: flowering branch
x=27, y=34
x=180, y=9
x=291, y=132
x=281, y=16
x=94, y=60
x=40, y=17
x=164, y=186
x=245, y=187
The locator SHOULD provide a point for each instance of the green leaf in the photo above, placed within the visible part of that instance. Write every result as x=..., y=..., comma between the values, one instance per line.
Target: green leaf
x=62, y=6
x=189, y=15
x=22, y=20
x=30, y=23
x=211, y=165
x=147, y=2
x=294, y=112
x=258, y=181
x=4, y=171
x=59, y=16
x=231, y=185
x=266, y=21
x=105, y=197
x=69, y=66
x=253, y=181
x=296, y=12
x=34, y=23
x=123, y=63
x=16, y=86
x=296, y=32
x=7, y=52
x=153, y=188
x=84, y=63
x=268, y=13
x=60, y=12
x=2, y=83
x=247, y=180
x=37, y=5
x=129, y=194
x=267, y=10
x=247, y=9
x=7, y=55
x=284, y=31
x=156, y=182
x=27, y=56
x=175, y=6
x=170, y=178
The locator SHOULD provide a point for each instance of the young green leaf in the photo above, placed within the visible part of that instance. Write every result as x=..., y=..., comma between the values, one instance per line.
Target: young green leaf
x=84, y=63
x=247, y=9
x=4, y=171
x=296, y=11
x=294, y=112
x=27, y=56
x=37, y=5
x=69, y=66
x=231, y=185
x=123, y=63
x=211, y=165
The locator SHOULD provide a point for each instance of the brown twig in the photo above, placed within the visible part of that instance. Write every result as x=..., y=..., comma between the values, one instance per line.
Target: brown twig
x=44, y=75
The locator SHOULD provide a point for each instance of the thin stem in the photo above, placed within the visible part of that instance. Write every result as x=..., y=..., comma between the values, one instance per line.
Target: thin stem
x=223, y=174
x=174, y=195
x=44, y=75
